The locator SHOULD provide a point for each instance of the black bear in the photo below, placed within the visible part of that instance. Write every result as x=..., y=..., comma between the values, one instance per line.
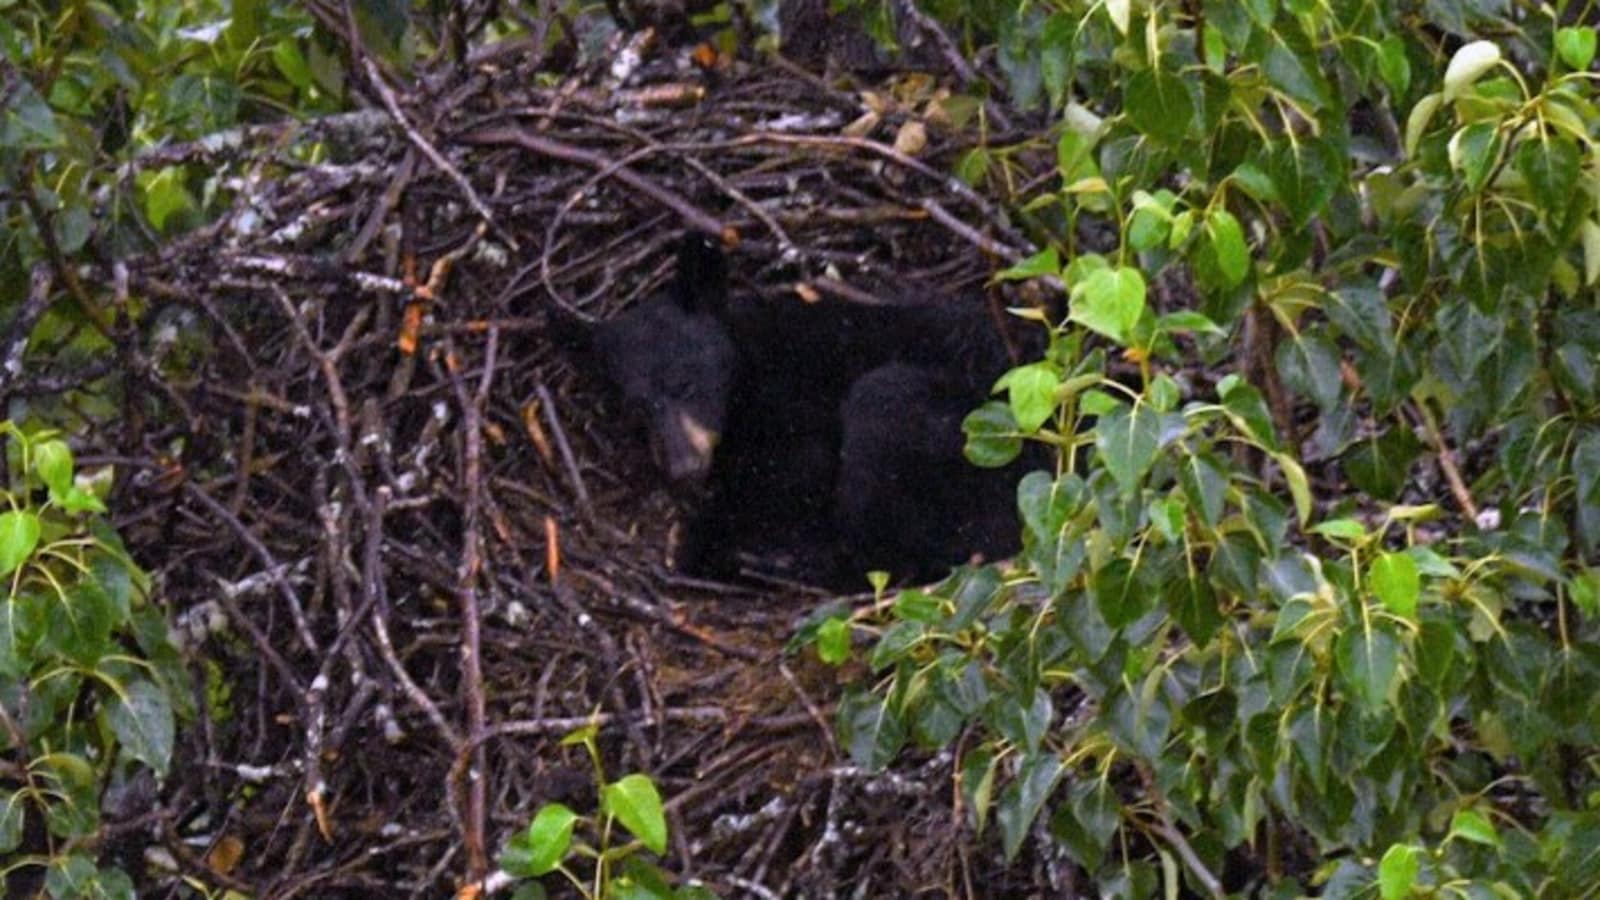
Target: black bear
x=819, y=440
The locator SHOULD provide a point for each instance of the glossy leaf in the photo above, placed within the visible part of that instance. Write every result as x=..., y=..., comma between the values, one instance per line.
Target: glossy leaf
x=1397, y=583
x=1022, y=800
x=993, y=436
x=1398, y=871
x=1576, y=46
x=870, y=730
x=1110, y=302
x=1032, y=393
x=19, y=535
x=1227, y=242
x=1474, y=826
x=141, y=717
x=1127, y=440
x=635, y=802
x=1369, y=663
x=1159, y=105
x=541, y=847
x=833, y=641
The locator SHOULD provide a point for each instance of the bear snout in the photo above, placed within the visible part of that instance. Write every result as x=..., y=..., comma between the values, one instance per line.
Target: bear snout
x=683, y=445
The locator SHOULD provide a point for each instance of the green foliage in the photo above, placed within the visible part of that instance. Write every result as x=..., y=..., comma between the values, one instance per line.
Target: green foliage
x=550, y=842
x=90, y=687
x=1369, y=695
x=117, y=127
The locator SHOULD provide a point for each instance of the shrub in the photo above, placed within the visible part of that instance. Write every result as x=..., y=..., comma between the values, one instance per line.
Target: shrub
x=1243, y=641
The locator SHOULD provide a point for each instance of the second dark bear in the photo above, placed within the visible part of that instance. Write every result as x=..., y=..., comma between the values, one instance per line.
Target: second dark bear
x=817, y=441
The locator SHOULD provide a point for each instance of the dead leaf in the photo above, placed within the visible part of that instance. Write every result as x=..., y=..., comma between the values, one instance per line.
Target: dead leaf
x=912, y=138
x=863, y=126
x=225, y=855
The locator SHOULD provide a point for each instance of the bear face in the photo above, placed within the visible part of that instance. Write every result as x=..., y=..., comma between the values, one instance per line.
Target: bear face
x=673, y=362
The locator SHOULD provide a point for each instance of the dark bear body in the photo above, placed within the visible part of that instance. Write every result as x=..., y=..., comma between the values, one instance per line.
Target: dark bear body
x=820, y=440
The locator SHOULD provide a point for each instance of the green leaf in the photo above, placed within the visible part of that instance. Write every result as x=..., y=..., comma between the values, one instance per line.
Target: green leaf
x=833, y=641
x=164, y=196
x=1309, y=364
x=1474, y=151
x=1576, y=45
x=1305, y=174
x=1248, y=411
x=978, y=771
x=872, y=732
x=1393, y=66
x=1369, y=661
x=1045, y=262
x=53, y=459
x=19, y=535
x=78, y=500
x=1086, y=822
x=1128, y=439
x=1025, y=725
x=1299, y=486
x=1047, y=503
x=140, y=715
x=993, y=438
x=1110, y=302
x=1586, y=468
x=1398, y=871
x=291, y=62
x=1585, y=590
x=635, y=802
x=1589, y=233
x=1340, y=529
x=1395, y=580
x=22, y=618
x=1055, y=56
x=28, y=123
x=1193, y=605
x=1379, y=465
x=1151, y=221
x=71, y=876
x=1215, y=48
x=1120, y=593
x=1435, y=651
x=1032, y=392
x=1074, y=159
x=973, y=166
x=1158, y=104
x=1550, y=166
x=1472, y=825
x=1293, y=72
x=1417, y=121
x=543, y=845
x=1309, y=735
x=1468, y=65
x=1227, y=242
x=914, y=605
x=1023, y=798
x=1205, y=483
x=1184, y=322
x=12, y=806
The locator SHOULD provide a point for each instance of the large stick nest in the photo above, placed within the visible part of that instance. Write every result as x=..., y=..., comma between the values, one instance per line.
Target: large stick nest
x=436, y=548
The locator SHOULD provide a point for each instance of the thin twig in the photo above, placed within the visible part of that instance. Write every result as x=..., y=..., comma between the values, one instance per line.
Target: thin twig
x=392, y=104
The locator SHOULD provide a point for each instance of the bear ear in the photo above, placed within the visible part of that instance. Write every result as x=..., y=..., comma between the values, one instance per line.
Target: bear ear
x=701, y=283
